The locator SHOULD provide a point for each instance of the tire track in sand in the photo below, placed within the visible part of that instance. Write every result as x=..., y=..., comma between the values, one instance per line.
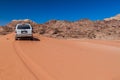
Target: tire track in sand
x=33, y=68
x=23, y=61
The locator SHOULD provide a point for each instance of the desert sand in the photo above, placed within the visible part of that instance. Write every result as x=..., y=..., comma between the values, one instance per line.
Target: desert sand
x=54, y=59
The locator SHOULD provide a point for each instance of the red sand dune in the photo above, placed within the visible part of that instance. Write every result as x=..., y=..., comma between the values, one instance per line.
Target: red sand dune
x=53, y=59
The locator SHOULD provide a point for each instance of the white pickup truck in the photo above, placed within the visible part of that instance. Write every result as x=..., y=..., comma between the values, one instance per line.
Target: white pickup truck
x=23, y=31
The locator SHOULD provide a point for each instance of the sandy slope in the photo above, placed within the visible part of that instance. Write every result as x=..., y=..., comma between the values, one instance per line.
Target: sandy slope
x=52, y=59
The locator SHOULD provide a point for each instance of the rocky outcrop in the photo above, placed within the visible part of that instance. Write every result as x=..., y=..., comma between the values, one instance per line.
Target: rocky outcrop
x=66, y=29
x=85, y=28
x=81, y=29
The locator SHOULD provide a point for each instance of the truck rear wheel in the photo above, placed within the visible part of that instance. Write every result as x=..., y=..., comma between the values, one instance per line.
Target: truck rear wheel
x=31, y=38
x=16, y=38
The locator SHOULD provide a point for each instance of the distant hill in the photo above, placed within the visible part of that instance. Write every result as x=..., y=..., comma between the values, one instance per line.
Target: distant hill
x=117, y=17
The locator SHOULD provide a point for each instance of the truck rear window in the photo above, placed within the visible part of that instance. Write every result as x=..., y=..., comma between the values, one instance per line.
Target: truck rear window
x=23, y=27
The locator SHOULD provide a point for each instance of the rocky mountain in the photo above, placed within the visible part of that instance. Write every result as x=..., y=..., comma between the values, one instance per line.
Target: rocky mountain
x=81, y=29
x=85, y=28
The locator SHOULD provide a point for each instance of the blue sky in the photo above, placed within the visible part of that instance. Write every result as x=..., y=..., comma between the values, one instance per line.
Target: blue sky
x=43, y=10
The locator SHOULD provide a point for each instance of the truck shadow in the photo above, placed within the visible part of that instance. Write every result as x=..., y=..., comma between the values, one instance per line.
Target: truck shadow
x=29, y=39
x=35, y=39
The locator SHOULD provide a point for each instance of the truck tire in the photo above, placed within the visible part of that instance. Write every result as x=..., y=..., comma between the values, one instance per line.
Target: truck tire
x=16, y=38
x=31, y=38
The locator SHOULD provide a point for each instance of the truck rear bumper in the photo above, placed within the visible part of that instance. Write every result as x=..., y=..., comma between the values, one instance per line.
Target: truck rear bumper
x=23, y=35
